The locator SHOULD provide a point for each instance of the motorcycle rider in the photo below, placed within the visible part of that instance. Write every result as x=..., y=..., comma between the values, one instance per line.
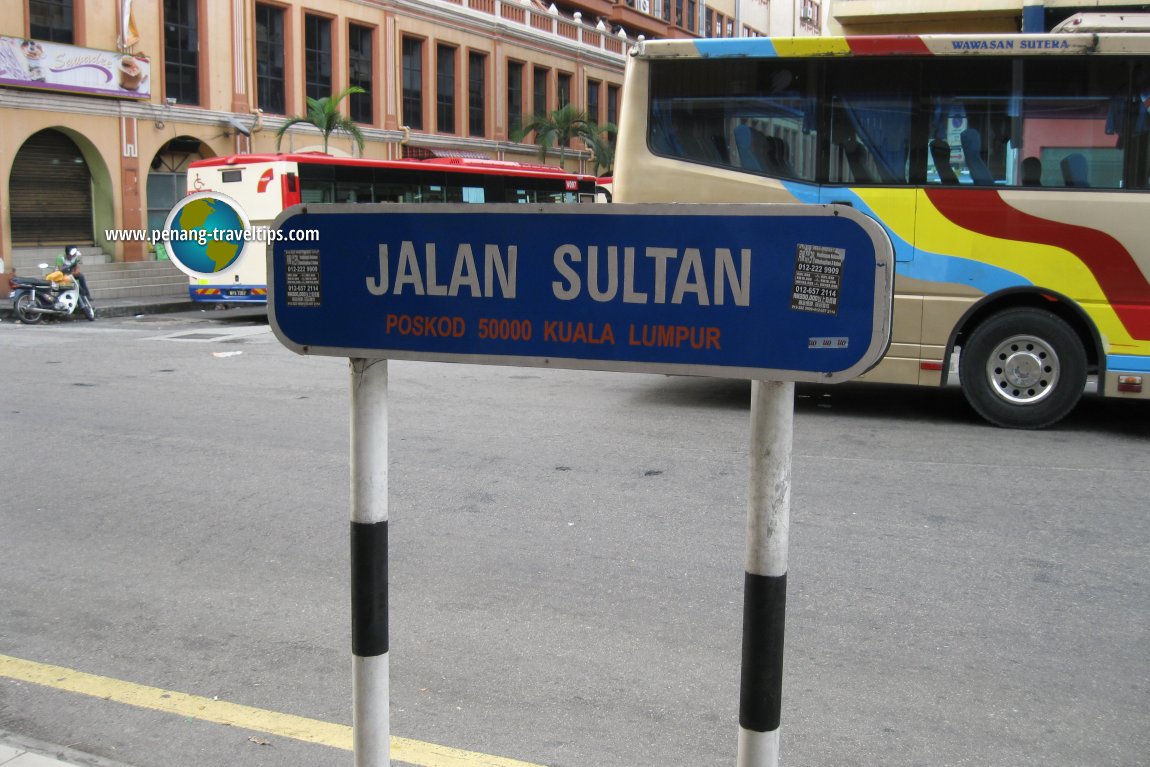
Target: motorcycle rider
x=69, y=263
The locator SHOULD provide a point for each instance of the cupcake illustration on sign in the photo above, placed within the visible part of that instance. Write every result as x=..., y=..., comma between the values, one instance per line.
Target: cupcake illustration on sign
x=34, y=53
x=131, y=75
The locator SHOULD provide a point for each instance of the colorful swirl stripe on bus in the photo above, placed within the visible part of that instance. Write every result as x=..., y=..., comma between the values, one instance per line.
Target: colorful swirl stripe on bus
x=1065, y=257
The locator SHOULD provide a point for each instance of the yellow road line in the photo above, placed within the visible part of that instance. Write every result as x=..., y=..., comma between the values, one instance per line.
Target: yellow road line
x=404, y=750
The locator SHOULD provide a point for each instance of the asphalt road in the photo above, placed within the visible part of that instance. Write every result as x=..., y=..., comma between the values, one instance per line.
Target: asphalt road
x=566, y=560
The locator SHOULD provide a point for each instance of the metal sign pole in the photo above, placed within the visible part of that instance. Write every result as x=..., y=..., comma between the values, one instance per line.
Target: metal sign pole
x=765, y=585
x=371, y=693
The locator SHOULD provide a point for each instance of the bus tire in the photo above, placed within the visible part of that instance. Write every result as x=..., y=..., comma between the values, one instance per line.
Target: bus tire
x=1023, y=369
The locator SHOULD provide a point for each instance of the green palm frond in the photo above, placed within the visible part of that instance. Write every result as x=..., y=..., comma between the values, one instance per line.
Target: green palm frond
x=324, y=114
x=565, y=124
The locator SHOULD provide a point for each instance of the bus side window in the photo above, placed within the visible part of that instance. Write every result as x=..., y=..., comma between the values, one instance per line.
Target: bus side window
x=1031, y=171
x=691, y=132
x=870, y=117
x=744, y=143
x=1075, y=172
x=940, y=156
x=1074, y=117
x=316, y=191
x=760, y=152
x=857, y=160
x=975, y=163
x=661, y=136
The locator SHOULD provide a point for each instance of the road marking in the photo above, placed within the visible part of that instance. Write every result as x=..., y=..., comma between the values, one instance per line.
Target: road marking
x=405, y=750
x=215, y=334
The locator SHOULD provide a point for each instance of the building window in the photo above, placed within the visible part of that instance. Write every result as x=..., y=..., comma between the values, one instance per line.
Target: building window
x=51, y=21
x=476, y=94
x=360, y=57
x=270, y=82
x=413, y=83
x=811, y=13
x=317, y=56
x=593, y=89
x=564, y=91
x=514, y=97
x=540, y=85
x=165, y=189
x=692, y=15
x=445, y=89
x=181, y=51
x=613, y=104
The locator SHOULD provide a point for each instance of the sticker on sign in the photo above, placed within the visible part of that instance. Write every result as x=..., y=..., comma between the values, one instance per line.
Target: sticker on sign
x=770, y=292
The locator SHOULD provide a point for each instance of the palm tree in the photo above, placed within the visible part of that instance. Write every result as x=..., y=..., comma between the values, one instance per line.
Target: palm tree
x=324, y=114
x=563, y=125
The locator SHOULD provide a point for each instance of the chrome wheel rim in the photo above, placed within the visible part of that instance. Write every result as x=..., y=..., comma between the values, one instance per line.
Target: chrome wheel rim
x=23, y=304
x=1023, y=370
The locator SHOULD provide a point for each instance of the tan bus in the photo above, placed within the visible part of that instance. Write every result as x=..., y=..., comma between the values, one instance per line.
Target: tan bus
x=1012, y=173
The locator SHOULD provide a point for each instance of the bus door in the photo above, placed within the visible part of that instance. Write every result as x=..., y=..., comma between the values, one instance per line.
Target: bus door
x=871, y=167
x=894, y=207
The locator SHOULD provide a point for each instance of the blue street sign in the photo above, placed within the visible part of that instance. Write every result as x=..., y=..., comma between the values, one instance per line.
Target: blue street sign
x=769, y=292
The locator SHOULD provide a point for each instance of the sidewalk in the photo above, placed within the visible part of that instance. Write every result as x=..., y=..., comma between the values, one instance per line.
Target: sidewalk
x=123, y=307
x=128, y=307
x=18, y=751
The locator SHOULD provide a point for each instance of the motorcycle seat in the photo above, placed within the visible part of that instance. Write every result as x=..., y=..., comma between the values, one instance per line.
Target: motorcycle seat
x=33, y=282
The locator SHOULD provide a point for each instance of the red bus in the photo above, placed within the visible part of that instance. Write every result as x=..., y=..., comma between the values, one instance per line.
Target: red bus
x=266, y=184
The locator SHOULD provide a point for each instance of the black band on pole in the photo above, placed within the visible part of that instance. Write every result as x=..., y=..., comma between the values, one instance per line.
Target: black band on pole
x=369, y=589
x=761, y=688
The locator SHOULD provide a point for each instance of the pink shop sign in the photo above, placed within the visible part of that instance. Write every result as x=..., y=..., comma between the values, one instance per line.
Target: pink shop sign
x=72, y=69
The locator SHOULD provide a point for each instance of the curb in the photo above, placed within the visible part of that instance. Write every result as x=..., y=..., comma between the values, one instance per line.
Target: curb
x=35, y=753
x=120, y=309
x=166, y=307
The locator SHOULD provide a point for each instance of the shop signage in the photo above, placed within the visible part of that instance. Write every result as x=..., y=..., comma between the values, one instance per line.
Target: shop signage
x=69, y=68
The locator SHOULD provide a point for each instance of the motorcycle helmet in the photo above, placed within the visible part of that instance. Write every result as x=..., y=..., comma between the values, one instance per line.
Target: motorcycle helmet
x=72, y=251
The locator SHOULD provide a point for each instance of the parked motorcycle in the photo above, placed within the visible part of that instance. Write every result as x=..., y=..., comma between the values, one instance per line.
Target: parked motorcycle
x=55, y=295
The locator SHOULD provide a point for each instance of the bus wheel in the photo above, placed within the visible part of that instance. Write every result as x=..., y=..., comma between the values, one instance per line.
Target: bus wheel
x=1023, y=369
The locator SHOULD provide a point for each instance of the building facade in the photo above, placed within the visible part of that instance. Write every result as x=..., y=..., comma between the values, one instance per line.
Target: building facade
x=100, y=114
x=103, y=103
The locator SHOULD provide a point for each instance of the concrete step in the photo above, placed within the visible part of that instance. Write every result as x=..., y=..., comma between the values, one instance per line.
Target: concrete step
x=142, y=268
x=27, y=260
x=109, y=280
x=135, y=279
x=170, y=290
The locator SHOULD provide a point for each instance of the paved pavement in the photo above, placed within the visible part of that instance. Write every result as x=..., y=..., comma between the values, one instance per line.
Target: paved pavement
x=18, y=751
